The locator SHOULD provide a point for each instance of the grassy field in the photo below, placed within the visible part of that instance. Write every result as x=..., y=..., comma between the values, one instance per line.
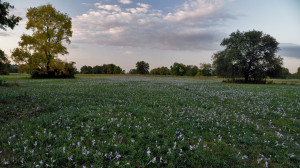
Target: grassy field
x=140, y=121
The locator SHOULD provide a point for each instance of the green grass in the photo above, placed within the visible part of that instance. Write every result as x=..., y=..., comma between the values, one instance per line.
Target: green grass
x=144, y=121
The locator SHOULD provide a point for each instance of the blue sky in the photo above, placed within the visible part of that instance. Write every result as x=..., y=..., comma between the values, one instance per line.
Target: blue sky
x=162, y=32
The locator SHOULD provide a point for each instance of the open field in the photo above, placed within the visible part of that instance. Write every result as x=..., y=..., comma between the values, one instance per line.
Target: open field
x=140, y=121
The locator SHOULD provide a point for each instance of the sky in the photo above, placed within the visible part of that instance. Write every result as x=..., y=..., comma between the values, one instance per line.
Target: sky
x=162, y=32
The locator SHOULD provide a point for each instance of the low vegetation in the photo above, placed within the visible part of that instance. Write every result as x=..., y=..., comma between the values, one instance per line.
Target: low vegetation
x=136, y=121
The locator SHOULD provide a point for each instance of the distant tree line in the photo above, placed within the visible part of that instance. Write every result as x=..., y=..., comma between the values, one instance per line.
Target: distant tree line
x=104, y=69
x=177, y=69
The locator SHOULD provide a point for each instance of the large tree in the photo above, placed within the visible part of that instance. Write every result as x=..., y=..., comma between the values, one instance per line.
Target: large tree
x=142, y=67
x=50, y=29
x=247, y=54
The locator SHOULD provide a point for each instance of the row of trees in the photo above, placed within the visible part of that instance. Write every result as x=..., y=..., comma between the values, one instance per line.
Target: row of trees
x=104, y=69
x=177, y=69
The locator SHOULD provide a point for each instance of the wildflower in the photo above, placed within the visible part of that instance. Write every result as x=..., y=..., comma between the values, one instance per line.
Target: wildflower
x=148, y=152
x=259, y=160
x=153, y=160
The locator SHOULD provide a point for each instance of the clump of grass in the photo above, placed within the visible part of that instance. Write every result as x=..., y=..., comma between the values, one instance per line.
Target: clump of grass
x=6, y=84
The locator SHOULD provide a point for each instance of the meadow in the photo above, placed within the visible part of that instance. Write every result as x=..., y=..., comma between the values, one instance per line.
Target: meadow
x=143, y=121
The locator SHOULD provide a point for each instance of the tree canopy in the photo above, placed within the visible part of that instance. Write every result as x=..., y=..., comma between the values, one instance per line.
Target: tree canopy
x=178, y=69
x=142, y=67
x=160, y=71
x=104, y=69
x=4, y=63
x=40, y=50
x=250, y=55
x=7, y=20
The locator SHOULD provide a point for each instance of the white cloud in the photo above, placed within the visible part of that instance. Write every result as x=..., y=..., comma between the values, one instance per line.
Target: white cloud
x=129, y=53
x=195, y=10
x=143, y=5
x=189, y=27
x=125, y=2
x=108, y=7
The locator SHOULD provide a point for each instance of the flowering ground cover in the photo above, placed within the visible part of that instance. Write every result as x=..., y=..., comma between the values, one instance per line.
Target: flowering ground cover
x=139, y=121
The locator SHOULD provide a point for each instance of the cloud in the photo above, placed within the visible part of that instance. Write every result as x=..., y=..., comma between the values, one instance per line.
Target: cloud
x=195, y=10
x=108, y=7
x=289, y=50
x=125, y=2
x=129, y=53
x=192, y=26
x=4, y=34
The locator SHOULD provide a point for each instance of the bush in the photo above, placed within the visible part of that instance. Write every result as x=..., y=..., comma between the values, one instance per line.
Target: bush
x=59, y=69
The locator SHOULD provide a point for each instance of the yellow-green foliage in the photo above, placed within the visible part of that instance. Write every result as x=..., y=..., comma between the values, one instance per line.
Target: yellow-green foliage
x=39, y=50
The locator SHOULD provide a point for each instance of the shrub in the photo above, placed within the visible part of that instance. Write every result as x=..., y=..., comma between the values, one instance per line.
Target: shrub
x=58, y=69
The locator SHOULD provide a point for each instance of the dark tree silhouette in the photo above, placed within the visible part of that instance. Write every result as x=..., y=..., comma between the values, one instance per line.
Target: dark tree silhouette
x=247, y=54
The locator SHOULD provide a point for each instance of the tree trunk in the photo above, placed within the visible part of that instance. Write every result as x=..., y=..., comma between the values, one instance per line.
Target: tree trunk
x=247, y=77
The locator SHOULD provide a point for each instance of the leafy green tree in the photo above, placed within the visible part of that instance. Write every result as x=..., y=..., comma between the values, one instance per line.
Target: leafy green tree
x=7, y=20
x=4, y=63
x=285, y=73
x=160, y=71
x=298, y=72
x=97, y=69
x=110, y=68
x=142, y=67
x=276, y=72
x=178, y=69
x=50, y=29
x=191, y=70
x=117, y=70
x=206, y=69
x=247, y=54
x=86, y=70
